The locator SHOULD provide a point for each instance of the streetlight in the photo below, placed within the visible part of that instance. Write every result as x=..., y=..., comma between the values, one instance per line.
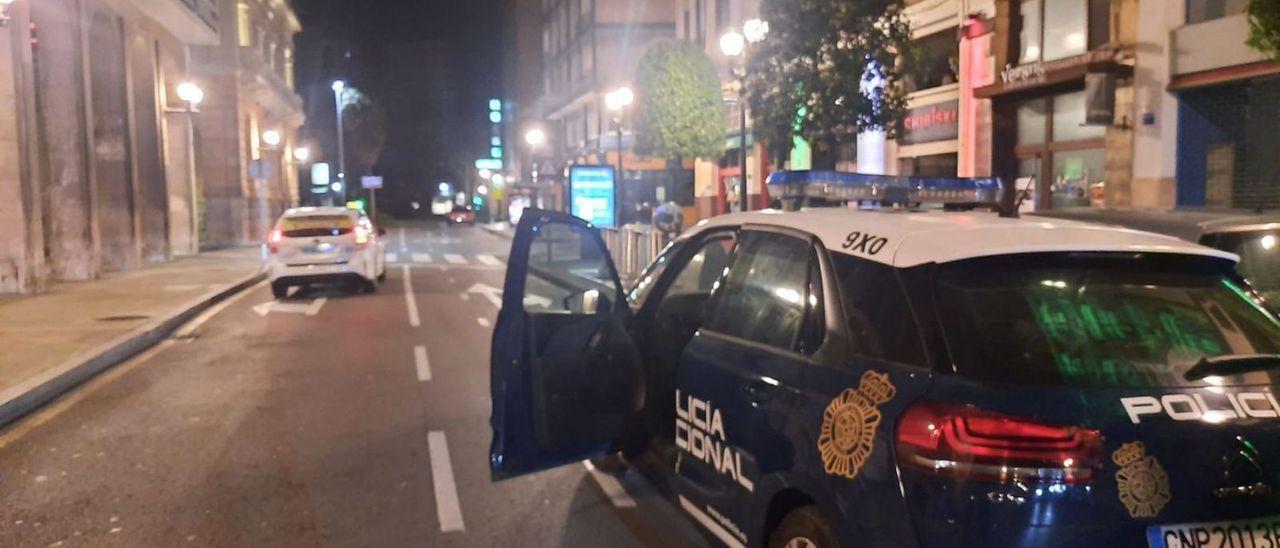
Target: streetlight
x=271, y=137
x=733, y=45
x=617, y=102
x=535, y=137
x=339, y=87
x=302, y=154
x=191, y=95
x=486, y=174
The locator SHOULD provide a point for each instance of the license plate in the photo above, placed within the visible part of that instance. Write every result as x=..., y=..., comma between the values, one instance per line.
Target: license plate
x=1254, y=533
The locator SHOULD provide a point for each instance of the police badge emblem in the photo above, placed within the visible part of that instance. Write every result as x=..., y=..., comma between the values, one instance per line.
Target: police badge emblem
x=1142, y=482
x=849, y=425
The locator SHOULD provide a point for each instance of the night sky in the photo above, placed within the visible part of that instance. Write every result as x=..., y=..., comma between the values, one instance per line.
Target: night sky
x=430, y=64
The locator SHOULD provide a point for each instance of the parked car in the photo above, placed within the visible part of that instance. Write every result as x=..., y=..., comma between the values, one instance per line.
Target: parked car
x=1257, y=241
x=837, y=377
x=325, y=245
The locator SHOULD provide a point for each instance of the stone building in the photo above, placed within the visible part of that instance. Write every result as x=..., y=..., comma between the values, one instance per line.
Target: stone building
x=96, y=176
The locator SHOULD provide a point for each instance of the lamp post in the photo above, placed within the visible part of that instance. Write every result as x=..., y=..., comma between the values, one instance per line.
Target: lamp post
x=734, y=45
x=191, y=95
x=617, y=102
x=339, y=87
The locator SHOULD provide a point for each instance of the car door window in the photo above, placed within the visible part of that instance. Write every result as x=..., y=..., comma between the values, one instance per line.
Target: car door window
x=567, y=273
x=881, y=324
x=766, y=296
x=704, y=268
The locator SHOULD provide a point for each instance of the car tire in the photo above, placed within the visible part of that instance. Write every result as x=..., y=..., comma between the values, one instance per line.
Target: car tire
x=279, y=290
x=370, y=286
x=382, y=277
x=804, y=527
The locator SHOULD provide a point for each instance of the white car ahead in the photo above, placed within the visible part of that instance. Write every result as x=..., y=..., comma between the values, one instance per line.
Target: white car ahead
x=325, y=245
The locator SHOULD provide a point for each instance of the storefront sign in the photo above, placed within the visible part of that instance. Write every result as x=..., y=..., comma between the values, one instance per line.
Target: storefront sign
x=1023, y=74
x=930, y=123
x=1100, y=99
x=592, y=192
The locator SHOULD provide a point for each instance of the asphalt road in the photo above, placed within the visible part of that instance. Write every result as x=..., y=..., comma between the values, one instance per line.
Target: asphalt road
x=326, y=420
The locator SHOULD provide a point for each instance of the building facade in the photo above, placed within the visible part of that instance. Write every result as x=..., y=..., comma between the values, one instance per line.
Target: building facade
x=99, y=175
x=590, y=47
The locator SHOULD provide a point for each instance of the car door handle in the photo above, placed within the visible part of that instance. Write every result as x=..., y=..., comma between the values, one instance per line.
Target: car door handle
x=758, y=391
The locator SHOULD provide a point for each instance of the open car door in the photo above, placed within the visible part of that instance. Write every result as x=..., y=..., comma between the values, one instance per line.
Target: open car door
x=565, y=377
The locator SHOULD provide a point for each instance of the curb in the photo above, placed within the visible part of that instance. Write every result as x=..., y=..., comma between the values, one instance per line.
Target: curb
x=21, y=399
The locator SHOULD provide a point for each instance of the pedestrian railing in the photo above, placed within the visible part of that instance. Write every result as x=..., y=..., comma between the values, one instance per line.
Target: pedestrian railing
x=633, y=247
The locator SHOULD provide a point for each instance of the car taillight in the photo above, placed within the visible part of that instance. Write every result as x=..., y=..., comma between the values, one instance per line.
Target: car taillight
x=362, y=234
x=966, y=442
x=274, y=239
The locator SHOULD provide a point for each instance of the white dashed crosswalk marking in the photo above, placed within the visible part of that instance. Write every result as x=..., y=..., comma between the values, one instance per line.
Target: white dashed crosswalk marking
x=421, y=257
x=488, y=260
x=392, y=257
x=455, y=259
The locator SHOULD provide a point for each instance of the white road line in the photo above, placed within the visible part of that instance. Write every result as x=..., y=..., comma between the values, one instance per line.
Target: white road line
x=392, y=257
x=409, y=300
x=447, y=507
x=455, y=259
x=190, y=328
x=421, y=257
x=484, y=322
x=421, y=362
x=612, y=487
x=404, y=245
x=489, y=260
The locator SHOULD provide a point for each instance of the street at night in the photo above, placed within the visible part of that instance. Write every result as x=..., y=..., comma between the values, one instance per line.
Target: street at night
x=323, y=419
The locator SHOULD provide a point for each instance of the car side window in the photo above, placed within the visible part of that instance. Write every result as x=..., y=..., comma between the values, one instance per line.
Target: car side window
x=881, y=324
x=704, y=268
x=766, y=296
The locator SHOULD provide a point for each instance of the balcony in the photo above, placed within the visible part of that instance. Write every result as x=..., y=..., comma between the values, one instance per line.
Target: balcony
x=195, y=22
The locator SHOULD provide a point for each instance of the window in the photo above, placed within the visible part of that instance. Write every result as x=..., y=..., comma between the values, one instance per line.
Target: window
x=704, y=268
x=766, y=297
x=937, y=62
x=881, y=324
x=1114, y=320
x=244, y=24
x=722, y=14
x=1056, y=29
x=568, y=272
x=1207, y=10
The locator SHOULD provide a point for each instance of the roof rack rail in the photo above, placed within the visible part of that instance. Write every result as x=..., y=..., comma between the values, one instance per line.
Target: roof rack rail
x=804, y=188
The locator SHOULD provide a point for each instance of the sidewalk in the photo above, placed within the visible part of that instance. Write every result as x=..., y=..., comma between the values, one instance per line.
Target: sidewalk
x=54, y=340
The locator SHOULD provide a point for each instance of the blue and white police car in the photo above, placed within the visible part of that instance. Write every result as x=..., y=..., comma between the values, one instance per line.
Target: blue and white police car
x=902, y=376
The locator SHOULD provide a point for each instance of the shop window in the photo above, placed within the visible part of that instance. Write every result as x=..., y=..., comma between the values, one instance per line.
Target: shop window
x=1078, y=177
x=1054, y=29
x=1033, y=121
x=1069, y=117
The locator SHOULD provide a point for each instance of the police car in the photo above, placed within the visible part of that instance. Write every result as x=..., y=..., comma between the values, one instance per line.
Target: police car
x=902, y=376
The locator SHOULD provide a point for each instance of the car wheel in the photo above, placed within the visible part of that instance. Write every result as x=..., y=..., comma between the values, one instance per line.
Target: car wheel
x=383, y=277
x=803, y=528
x=279, y=290
x=370, y=286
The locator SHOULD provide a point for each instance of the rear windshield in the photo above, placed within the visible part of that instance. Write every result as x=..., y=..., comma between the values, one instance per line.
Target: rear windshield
x=1259, y=253
x=1097, y=319
x=317, y=225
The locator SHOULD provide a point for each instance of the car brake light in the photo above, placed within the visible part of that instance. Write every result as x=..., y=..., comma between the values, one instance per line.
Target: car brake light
x=362, y=235
x=966, y=442
x=276, y=237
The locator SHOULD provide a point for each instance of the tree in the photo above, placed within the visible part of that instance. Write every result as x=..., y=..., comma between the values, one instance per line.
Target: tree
x=680, y=112
x=1264, y=27
x=828, y=70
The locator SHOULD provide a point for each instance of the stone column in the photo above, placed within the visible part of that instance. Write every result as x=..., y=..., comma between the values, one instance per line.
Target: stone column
x=22, y=266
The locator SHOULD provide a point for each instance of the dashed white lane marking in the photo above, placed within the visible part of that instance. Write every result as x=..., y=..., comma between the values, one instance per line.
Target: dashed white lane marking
x=409, y=299
x=423, y=365
x=484, y=322
x=447, y=508
x=612, y=487
x=455, y=259
x=392, y=257
x=488, y=260
x=421, y=257
x=404, y=244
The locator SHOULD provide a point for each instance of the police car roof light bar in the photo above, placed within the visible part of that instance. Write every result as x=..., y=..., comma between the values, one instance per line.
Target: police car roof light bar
x=841, y=186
